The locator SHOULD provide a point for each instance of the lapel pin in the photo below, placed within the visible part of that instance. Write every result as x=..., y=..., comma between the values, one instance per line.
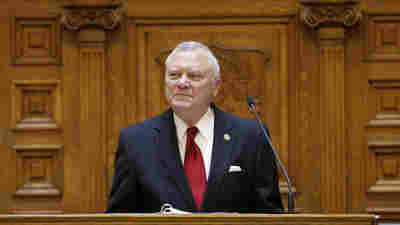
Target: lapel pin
x=227, y=137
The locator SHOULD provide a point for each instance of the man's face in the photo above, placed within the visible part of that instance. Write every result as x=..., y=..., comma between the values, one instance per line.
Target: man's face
x=189, y=81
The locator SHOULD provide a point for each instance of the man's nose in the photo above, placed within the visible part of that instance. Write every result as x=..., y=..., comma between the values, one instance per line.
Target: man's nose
x=183, y=81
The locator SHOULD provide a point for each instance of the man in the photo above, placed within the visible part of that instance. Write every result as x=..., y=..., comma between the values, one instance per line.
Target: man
x=194, y=156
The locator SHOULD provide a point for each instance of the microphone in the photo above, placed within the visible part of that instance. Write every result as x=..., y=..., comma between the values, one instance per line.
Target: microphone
x=250, y=102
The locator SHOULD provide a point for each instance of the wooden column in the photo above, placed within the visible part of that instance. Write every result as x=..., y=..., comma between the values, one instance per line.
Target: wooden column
x=329, y=22
x=333, y=159
x=92, y=112
x=91, y=24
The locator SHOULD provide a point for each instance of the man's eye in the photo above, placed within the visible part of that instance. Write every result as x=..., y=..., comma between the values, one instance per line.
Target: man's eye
x=195, y=76
x=173, y=75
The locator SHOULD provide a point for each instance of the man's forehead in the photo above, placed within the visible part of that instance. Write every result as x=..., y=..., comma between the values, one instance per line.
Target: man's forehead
x=186, y=65
x=193, y=54
x=196, y=59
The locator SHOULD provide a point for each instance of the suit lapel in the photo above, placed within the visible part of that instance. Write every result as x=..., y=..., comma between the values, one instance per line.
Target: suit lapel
x=221, y=151
x=165, y=135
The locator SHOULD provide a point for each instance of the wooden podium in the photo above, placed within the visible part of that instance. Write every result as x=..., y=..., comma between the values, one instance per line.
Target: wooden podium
x=190, y=219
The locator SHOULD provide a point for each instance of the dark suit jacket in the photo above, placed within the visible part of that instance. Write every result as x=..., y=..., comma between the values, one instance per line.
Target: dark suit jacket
x=149, y=171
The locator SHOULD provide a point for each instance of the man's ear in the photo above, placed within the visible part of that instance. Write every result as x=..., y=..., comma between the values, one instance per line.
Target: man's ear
x=217, y=86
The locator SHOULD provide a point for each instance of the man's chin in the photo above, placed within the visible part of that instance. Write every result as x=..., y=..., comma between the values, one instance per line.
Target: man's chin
x=181, y=105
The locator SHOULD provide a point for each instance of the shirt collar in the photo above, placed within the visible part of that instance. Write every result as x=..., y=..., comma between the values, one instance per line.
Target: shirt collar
x=203, y=124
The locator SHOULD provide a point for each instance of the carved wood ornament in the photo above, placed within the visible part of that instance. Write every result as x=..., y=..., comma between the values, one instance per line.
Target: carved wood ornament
x=318, y=13
x=76, y=17
x=330, y=19
x=92, y=23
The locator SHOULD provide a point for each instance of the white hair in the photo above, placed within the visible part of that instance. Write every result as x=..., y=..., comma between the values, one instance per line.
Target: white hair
x=193, y=45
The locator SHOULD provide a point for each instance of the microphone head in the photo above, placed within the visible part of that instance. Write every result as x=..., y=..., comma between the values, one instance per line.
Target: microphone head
x=250, y=101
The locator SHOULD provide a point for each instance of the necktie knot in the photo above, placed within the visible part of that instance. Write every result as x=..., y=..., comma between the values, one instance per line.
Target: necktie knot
x=192, y=131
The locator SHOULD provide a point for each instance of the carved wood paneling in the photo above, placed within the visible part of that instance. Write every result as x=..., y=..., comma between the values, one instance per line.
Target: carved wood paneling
x=235, y=9
x=305, y=127
x=316, y=13
x=384, y=174
x=333, y=115
x=35, y=40
x=38, y=168
x=382, y=38
x=89, y=22
x=328, y=20
x=250, y=65
x=36, y=105
x=382, y=53
x=118, y=84
x=38, y=185
x=384, y=101
x=110, y=79
x=79, y=16
x=92, y=87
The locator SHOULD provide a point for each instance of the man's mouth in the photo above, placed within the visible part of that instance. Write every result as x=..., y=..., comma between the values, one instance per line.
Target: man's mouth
x=182, y=95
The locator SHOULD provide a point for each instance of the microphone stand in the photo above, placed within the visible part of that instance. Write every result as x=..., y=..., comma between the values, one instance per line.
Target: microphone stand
x=291, y=209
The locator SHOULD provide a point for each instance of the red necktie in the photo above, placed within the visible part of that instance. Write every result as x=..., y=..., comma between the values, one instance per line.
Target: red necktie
x=194, y=167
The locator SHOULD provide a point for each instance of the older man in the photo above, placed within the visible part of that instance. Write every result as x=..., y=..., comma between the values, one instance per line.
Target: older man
x=194, y=156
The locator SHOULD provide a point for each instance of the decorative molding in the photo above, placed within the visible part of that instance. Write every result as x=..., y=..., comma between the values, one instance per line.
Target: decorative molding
x=334, y=13
x=76, y=17
x=383, y=210
x=35, y=40
x=329, y=20
x=386, y=98
x=386, y=157
x=382, y=38
x=36, y=105
x=379, y=143
x=303, y=218
x=93, y=112
x=377, y=83
x=37, y=170
x=332, y=89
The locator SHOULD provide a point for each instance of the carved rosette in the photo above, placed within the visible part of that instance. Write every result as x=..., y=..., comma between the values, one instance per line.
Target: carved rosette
x=338, y=15
x=104, y=17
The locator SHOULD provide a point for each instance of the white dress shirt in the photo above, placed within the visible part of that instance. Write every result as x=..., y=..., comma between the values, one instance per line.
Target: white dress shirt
x=204, y=138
